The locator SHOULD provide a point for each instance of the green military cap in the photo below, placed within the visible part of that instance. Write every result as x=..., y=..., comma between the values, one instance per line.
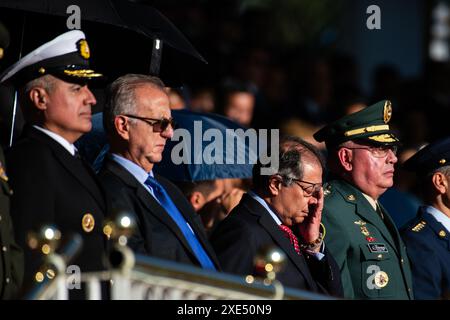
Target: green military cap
x=370, y=125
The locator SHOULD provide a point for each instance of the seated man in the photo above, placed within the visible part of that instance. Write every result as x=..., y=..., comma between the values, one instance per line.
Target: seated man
x=427, y=236
x=138, y=122
x=285, y=211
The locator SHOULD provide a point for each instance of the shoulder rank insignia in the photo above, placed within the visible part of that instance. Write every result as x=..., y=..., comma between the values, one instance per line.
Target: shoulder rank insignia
x=442, y=234
x=360, y=222
x=351, y=197
x=418, y=227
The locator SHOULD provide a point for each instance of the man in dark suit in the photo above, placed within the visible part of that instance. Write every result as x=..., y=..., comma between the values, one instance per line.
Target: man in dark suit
x=51, y=184
x=138, y=122
x=284, y=211
x=427, y=236
x=11, y=255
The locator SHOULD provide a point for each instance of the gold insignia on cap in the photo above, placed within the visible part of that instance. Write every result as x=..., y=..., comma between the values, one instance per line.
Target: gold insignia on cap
x=418, y=227
x=1, y=53
x=442, y=161
x=83, y=73
x=88, y=222
x=381, y=279
x=442, y=234
x=376, y=128
x=83, y=48
x=387, y=112
x=41, y=70
x=351, y=197
x=383, y=138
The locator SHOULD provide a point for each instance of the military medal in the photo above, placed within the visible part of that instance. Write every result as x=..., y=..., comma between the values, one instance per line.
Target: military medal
x=88, y=222
x=381, y=279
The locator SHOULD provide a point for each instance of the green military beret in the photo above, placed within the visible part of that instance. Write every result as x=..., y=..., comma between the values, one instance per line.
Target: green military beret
x=369, y=124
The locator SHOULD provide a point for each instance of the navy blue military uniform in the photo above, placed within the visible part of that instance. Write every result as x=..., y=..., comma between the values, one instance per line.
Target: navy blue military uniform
x=427, y=235
x=428, y=246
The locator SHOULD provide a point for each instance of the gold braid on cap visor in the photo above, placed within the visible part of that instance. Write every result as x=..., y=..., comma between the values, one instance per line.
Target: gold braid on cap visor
x=366, y=129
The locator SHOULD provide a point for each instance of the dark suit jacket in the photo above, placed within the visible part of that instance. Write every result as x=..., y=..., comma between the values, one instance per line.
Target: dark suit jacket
x=428, y=246
x=11, y=257
x=156, y=233
x=53, y=187
x=249, y=227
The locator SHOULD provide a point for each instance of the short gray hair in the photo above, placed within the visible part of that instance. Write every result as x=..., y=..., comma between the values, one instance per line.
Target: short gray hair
x=47, y=83
x=121, y=97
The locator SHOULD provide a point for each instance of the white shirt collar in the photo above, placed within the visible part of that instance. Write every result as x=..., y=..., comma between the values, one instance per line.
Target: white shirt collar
x=439, y=216
x=66, y=144
x=265, y=205
x=373, y=203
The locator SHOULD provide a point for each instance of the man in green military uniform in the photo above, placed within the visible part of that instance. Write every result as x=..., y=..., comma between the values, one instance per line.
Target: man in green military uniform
x=11, y=257
x=361, y=235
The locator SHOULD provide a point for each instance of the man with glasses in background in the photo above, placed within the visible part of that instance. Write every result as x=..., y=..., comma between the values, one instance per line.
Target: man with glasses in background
x=360, y=233
x=284, y=210
x=138, y=122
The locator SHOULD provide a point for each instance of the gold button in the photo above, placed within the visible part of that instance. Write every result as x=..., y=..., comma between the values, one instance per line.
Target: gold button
x=4, y=249
x=380, y=256
x=7, y=280
x=401, y=260
x=351, y=197
x=442, y=234
x=88, y=222
x=0, y=217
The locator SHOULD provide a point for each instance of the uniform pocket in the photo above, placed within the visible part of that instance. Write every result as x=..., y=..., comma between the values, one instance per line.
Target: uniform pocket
x=376, y=271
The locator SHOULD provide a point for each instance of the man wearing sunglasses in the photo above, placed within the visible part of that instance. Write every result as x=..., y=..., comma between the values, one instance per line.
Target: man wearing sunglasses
x=361, y=235
x=282, y=211
x=138, y=122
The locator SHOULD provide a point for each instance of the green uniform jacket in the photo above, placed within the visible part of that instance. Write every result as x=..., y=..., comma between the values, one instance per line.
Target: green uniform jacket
x=369, y=251
x=11, y=256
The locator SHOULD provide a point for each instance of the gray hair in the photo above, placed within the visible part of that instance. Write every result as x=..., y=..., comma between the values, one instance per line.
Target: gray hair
x=30, y=113
x=121, y=97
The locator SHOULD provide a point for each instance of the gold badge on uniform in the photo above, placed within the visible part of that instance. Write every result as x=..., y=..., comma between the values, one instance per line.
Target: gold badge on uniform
x=3, y=173
x=364, y=231
x=387, y=111
x=88, y=222
x=381, y=279
x=442, y=234
x=351, y=197
x=360, y=223
x=83, y=48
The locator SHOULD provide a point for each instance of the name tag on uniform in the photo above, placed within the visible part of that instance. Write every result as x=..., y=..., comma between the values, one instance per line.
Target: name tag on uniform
x=377, y=247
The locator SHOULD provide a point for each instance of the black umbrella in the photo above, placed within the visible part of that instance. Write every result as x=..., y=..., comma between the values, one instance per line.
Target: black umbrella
x=140, y=18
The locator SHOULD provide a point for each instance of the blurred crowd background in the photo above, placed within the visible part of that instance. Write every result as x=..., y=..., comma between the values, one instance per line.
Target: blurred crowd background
x=288, y=64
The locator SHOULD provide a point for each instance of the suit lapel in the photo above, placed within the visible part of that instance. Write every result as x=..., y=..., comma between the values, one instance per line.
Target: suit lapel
x=148, y=201
x=269, y=224
x=74, y=166
x=200, y=233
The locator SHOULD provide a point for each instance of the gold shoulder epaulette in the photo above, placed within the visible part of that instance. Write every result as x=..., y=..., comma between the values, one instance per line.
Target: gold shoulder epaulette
x=419, y=226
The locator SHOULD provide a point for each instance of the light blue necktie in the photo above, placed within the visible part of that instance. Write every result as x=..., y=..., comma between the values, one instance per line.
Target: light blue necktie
x=172, y=210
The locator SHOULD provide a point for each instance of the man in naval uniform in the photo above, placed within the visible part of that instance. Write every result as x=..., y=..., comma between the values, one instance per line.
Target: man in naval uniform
x=361, y=235
x=52, y=185
x=427, y=236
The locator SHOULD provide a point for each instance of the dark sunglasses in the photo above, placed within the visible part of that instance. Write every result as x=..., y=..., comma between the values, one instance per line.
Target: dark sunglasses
x=159, y=125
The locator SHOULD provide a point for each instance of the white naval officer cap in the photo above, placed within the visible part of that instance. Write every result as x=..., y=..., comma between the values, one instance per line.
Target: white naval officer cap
x=65, y=57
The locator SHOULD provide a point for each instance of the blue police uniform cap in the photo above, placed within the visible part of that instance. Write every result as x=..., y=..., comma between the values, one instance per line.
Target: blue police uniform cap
x=65, y=57
x=433, y=156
